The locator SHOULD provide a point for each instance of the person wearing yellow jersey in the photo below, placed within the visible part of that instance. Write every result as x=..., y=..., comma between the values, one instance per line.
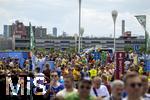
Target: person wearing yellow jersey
x=149, y=79
x=1, y=63
x=141, y=68
x=64, y=71
x=76, y=75
x=64, y=61
x=93, y=72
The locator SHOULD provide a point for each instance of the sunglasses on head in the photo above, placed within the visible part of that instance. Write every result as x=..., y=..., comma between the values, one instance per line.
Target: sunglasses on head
x=85, y=87
x=133, y=85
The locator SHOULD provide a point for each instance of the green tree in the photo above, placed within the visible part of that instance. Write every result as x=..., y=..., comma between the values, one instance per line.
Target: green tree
x=51, y=50
x=148, y=50
x=142, y=49
x=43, y=50
x=128, y=48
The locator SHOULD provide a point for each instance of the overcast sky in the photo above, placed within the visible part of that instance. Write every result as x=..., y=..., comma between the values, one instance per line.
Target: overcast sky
x=63, y=14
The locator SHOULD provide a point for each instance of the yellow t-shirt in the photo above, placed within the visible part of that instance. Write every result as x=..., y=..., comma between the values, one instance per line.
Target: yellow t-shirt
x=149, y=79
x=140, y=70
x=1, y=62
x=76, y=75
x=93, y=72
x=65, y=72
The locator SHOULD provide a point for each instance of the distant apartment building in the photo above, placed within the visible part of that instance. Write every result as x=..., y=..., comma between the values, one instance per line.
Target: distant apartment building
x=5, y=43
x=21, y=31
x=40, y=32
x=21, y=35
x=64, y=34
x=28, y=30
x=17, y=29
x=7, y=30
x=55, y=31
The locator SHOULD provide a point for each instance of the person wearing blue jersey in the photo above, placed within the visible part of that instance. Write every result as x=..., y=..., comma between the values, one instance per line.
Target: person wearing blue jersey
x=54, y=87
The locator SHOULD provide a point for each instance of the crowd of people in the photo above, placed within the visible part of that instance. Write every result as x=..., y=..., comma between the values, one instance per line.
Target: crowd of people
x=72, y=77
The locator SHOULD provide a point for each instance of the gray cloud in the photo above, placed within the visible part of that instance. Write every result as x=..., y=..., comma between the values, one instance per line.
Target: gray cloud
x=96, y=14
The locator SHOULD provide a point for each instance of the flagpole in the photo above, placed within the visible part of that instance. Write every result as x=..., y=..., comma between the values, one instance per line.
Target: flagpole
x=32, y=40
x=79, y=44
x=145, y=40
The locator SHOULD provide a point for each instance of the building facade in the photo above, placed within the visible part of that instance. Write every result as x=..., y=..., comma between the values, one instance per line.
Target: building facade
x=69, y=42
x=40, y=32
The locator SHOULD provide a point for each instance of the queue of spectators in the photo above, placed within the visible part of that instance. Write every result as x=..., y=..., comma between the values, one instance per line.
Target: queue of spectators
x=74, y=77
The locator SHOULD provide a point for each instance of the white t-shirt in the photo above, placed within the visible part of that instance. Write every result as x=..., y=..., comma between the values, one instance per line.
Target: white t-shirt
x=64, y=93
x=102, y=91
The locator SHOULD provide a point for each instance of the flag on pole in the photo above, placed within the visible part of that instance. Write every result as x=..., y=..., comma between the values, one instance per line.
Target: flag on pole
x=142, y=20
x=32, y=40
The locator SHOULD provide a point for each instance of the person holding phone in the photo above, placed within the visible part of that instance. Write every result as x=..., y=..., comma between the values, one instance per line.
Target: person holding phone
x=54, y=87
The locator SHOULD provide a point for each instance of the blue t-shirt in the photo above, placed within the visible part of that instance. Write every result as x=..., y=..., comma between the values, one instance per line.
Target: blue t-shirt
x=58, y=71
x=55, y=90
x=61, y=81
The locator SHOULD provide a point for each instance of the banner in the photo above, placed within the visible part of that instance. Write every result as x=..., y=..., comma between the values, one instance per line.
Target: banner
x=136, y=48
x=120, y=56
